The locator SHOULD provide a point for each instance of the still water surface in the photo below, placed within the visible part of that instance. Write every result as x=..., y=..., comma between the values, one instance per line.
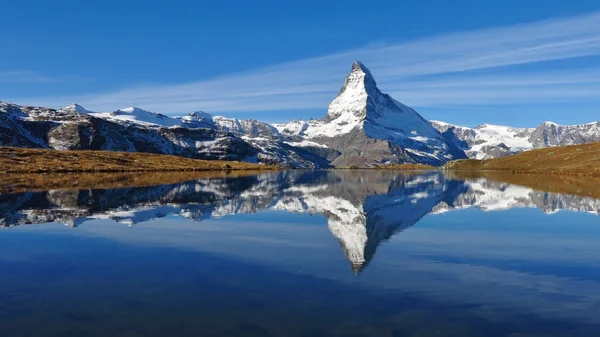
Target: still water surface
x=332, y=253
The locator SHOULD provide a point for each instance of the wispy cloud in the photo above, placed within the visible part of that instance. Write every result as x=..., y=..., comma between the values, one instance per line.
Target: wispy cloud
x=452, y=69
x=23, y=76
x=33, y=77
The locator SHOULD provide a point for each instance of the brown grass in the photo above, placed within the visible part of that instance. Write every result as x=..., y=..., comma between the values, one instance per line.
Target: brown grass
x=19, y=160
x=564, y=160
x=12, y=183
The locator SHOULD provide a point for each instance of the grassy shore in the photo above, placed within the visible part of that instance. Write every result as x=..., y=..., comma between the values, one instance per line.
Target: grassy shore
x=20, y=160
x=580, y=160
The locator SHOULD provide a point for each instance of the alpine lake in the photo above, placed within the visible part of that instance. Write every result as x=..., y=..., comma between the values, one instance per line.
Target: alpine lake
x=300, y=253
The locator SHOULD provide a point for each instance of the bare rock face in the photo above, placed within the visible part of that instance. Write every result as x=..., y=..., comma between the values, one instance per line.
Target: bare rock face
x=550, y=134
x=359, y=150
x=495, y=151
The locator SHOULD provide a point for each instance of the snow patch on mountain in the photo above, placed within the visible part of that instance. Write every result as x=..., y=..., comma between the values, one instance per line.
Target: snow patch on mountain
x=139, y=116
x=76, y=108
x=307, y=143
x=487, y=140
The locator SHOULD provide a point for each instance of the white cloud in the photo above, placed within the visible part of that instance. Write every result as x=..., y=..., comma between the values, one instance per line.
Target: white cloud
x=451, y=69
x=23, y=76
x=33, y=77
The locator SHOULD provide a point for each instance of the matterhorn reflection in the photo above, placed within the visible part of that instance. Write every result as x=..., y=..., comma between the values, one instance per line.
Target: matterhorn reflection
x=362, y=208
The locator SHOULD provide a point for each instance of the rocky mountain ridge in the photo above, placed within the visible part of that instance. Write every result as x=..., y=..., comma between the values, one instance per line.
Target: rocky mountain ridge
x=137, y=130
x=492, y=141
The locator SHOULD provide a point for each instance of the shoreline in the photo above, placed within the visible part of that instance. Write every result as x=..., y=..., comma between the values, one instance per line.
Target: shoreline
x=24, y=160
x=17, y=182
x=573, y=160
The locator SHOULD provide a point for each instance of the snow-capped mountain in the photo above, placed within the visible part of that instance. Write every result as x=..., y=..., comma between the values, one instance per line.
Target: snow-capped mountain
x=366, y=127
x=135, y=130
x=362, y=209
x=363, y=127
x=491, y=141
x=551, y=134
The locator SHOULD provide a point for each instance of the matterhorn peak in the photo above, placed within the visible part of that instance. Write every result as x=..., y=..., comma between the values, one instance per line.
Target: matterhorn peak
x=352, y=98
x=359, y=67
x=359, y=78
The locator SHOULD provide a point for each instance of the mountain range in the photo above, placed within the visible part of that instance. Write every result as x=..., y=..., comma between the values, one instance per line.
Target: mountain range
x=363, y=127
x=492, y=141
x=363, y=209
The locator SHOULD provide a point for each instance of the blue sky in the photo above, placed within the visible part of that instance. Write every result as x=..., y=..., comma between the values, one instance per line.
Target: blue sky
x=464, y=62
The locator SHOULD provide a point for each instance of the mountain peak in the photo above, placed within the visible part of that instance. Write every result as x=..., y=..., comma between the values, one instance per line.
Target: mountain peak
x=199, y=115
x=358, y=66
x=352, y=98
x=132, y=109
x=75, y=108
x=360, y=76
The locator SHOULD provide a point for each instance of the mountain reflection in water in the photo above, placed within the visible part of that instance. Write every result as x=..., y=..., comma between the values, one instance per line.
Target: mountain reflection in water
x=362, y=208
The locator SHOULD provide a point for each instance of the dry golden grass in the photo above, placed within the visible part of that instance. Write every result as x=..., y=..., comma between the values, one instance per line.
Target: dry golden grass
x=19, y=160
x=12, y=183
x=565, y=160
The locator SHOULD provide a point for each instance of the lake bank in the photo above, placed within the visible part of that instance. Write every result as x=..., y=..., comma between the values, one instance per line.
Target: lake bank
x=25, y=160
x=579, y=160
